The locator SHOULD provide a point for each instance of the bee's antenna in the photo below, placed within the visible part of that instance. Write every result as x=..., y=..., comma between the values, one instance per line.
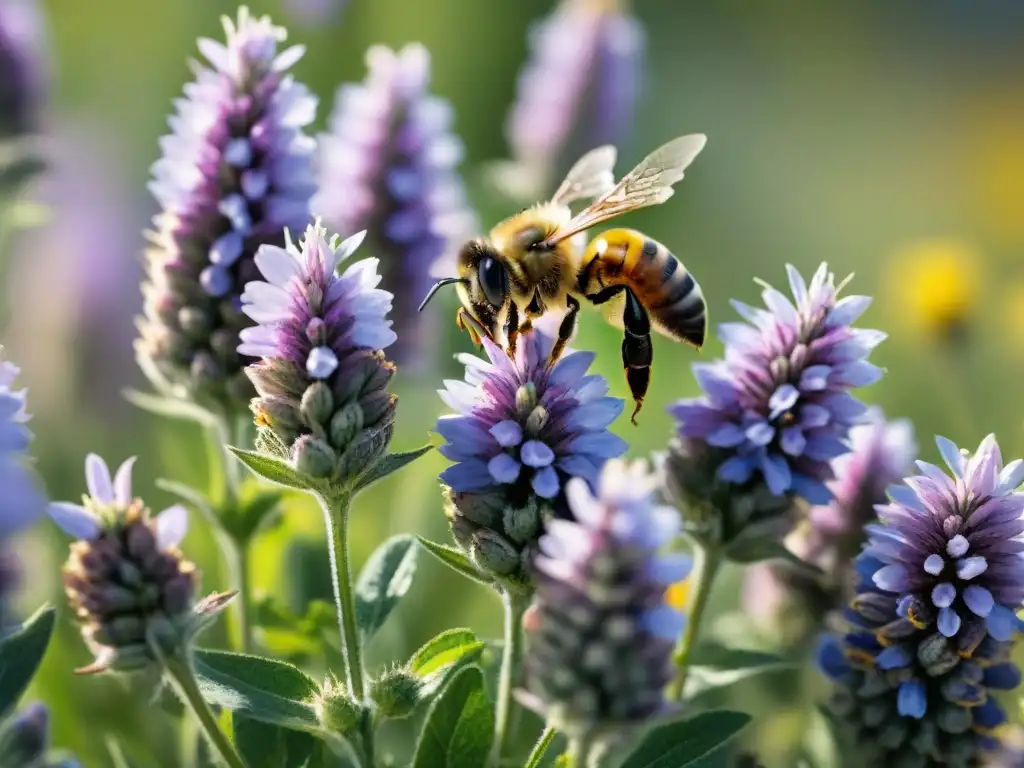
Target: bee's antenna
x=440, y=284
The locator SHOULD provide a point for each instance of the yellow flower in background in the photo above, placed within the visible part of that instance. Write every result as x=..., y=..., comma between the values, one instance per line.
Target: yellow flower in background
x=937, y=285
x=678, y=594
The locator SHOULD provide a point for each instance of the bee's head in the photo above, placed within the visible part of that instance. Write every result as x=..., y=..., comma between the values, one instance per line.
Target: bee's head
x=482, y=284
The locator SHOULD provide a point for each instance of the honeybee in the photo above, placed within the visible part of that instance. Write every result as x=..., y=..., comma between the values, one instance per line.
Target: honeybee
x=539, y=260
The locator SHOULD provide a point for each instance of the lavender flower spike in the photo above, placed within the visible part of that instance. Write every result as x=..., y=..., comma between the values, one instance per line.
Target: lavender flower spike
x=125, y=579
x=777, y=409
x=934, y=618
x=322, y=401
x=21, y=502
x=602, y=634
x=520, y=431
x=389, y=165
x=777, y=594
x=578, y=90
x=236, y=171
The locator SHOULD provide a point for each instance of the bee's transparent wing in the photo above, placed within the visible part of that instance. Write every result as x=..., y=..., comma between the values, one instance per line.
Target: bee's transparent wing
x=592, y=176
x=650, y=183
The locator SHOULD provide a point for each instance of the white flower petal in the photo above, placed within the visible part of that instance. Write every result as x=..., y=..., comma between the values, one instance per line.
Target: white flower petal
x=123, y=483
x=97, y=479
x=74, y=519
x=171, y=526
x=277, y=265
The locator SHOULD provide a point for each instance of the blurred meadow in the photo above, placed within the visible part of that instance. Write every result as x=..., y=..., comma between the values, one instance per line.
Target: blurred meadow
x=884, y=138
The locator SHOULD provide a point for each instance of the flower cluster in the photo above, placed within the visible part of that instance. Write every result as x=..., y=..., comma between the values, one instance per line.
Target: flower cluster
x=21, y=502
x=584, y=70
x=934, y=617
x=777, y=409
x=236, y=171
x=126, y=581
x=777, y=593
x=322, y=401
x=521, y=429
x=602, y=634
x=389, y=166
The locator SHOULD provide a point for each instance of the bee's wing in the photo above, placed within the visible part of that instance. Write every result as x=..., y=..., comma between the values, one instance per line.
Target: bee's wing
x=592, y=176
x=650, y=183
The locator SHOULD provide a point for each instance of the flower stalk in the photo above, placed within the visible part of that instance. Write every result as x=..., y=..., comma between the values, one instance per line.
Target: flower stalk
x=540, y=748
x=511, y=660
x=184, y=680
x=706, y=562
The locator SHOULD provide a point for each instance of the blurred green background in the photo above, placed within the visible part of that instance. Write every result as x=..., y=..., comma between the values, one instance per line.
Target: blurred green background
x=884, y=138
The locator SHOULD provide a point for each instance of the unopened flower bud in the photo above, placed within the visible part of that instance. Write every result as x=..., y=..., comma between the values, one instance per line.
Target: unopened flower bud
x=396, y=693
x=345, y=425
x=317, y=404
x=314, y=457
x=337, y=711
x=493, y=553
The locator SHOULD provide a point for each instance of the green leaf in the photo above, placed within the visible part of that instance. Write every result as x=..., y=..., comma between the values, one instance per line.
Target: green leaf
x=444, y=649
x=170, y=407
x=754, y=550
x=21, y=650
x=694, y=743
x=266, y=746
x=454, y=559
x=274, y=470
x=258, y=688
x=459, y=727
x=384, y=580
x=190, y=495
x=724, y=657
x=389, y=465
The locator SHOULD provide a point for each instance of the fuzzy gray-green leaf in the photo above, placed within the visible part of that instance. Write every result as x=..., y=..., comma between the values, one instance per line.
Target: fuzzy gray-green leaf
x=272, y=469
x=694, y=743
x=458, y=730
x=454, y=559
x=21, y=650
x=258, y=688
x=390, y=464
x=385, y=578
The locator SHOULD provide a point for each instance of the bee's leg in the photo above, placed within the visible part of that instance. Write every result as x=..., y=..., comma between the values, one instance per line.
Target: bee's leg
x=464, y=326
x=637, y=350
x=512, y=328
x=566, y=329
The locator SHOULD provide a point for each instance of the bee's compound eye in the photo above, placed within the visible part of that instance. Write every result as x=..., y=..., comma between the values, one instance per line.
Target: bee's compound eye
x=493, y=280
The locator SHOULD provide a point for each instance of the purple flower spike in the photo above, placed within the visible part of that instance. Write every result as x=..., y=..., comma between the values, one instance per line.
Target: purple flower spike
x=578, y=90
x=236, y=171
x=520, y=431
x=777, y=410
x=322, y=402
x=781, y=597
x=601, y=631
x=389, y=165
x=933, y=621
x=21, y=502
x=126, y=580
x=22, y=66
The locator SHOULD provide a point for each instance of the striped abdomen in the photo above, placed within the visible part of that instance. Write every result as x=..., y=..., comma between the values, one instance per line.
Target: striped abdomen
x=665, y=288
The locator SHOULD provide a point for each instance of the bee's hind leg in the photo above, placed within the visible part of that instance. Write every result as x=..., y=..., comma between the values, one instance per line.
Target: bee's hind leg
x=565, y=330
x=637, y=350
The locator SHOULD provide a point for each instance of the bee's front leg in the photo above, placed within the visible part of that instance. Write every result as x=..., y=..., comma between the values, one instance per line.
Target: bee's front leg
x=464, y=326
x=512, y=329
x=565, y=330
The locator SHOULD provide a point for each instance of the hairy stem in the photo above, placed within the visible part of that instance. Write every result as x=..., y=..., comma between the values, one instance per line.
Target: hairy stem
x=184, y=681
x=705, y=567
x=540, y=748
x=336, y=521
x=511, y=660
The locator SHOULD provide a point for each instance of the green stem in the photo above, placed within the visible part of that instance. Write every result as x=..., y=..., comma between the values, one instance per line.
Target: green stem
x=541, y=747
x=511, y=660
x=180, y=672
x=336, y=521
x=705, y=567
x=225, y=480
x=580, y=750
